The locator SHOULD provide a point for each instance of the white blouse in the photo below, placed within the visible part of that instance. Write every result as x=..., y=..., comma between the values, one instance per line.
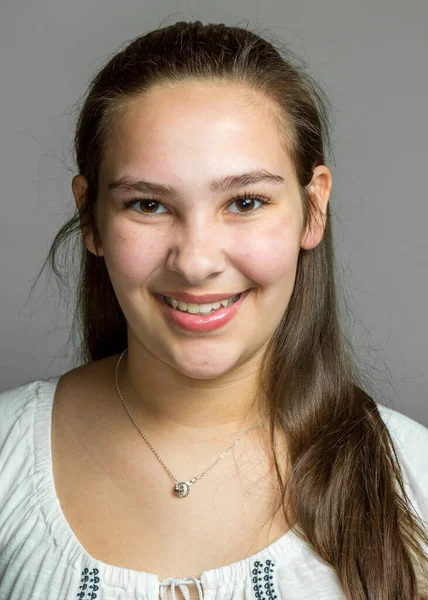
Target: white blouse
x=41, y=558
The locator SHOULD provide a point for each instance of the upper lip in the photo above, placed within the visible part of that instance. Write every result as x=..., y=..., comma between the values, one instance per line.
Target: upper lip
x=200, y=299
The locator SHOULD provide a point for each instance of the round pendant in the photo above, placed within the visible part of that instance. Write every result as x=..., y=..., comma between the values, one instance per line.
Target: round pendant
x=181, y=489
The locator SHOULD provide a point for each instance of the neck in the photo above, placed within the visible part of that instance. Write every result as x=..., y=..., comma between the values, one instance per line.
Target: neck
x=163, y=400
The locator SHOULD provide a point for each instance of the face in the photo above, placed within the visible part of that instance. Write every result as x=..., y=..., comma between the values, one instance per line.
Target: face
x=199, y=239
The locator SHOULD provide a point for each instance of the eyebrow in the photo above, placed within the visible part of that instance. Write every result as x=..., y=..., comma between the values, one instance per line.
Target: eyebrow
x=216, y=186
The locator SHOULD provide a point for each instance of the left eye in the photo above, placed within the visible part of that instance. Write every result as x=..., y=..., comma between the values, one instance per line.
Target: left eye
x=244, y=199
x=248, y=199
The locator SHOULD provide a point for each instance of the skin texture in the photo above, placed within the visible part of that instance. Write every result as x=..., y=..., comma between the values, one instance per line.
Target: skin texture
x=184, y=135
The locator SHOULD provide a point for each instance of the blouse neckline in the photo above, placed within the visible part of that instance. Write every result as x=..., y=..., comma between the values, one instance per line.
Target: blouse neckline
x=70, y=547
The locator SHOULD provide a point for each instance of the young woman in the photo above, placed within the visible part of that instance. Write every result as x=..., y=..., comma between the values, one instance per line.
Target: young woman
x=209, y=317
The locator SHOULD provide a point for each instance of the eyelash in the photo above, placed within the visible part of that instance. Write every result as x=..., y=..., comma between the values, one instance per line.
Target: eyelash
x=245, y=196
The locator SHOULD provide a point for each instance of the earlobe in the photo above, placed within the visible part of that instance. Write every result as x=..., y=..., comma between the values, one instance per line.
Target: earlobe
x=79, y=187
x=319, y=192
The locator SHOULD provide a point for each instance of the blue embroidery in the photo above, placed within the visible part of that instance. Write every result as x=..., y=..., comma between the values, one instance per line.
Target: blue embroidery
x=89, y=585
x=263, y=580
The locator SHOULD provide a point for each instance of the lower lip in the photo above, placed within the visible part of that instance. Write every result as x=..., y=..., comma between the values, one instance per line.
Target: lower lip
x=202, y=323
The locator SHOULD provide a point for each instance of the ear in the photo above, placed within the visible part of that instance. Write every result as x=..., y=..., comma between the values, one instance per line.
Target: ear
x=319, y=192
x=79, y=186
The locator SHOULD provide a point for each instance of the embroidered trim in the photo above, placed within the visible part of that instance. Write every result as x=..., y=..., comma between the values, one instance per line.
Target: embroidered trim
x=89, y=587
x=263, y=580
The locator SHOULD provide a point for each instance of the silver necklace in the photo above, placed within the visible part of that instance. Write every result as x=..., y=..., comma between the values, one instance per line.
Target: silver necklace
x=181, y=488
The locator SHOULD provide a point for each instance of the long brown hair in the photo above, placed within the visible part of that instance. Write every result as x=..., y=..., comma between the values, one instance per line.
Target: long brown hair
x=346, y=490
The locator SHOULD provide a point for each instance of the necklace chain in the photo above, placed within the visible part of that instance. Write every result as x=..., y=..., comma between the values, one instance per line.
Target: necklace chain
x=181, y=488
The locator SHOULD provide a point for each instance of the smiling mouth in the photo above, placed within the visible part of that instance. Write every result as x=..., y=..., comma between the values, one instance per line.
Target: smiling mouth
x=200, y=309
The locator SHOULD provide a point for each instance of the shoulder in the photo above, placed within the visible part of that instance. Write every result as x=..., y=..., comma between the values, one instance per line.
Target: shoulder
x=20, y=408
x=16, y=404
x=410, y=439
x=409, y=435
x=25, y=418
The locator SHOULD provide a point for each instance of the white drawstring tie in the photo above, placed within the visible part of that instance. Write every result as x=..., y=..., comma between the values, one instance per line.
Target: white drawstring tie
x=171, y=582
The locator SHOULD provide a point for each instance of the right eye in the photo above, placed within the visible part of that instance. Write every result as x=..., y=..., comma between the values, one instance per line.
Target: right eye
x=149, y=203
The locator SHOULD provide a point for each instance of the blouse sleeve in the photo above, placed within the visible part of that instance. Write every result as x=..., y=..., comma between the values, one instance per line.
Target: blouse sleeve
x=410, y=440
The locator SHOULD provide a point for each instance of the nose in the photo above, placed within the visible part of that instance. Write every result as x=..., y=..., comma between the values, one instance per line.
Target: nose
x=197, y=251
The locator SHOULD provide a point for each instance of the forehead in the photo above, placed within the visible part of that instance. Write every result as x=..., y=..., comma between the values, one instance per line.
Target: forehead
x=204, y=128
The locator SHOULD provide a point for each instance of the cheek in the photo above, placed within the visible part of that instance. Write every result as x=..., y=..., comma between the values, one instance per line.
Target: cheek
x=272, y=254
x=130, y=258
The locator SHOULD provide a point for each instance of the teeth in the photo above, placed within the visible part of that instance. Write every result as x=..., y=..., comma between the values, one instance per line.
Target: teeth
x=202, y=309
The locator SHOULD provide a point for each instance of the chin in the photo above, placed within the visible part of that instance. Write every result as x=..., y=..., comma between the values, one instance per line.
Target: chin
x=202, y=367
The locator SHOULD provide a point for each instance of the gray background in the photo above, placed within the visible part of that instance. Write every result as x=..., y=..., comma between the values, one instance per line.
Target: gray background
x=371, y=56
